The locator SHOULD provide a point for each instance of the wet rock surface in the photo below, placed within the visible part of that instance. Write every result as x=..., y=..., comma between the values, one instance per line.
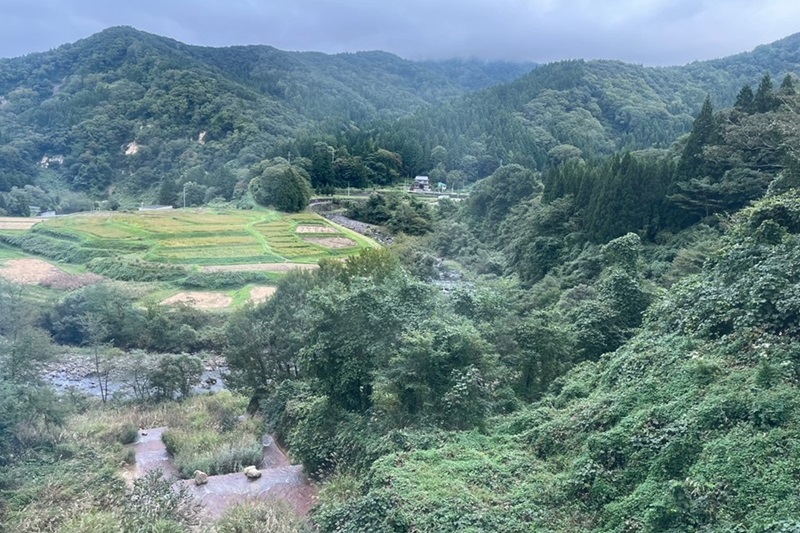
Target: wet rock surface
x=279, y=478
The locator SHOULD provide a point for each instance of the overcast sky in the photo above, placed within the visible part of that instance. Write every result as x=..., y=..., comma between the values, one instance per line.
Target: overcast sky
x=653, y=32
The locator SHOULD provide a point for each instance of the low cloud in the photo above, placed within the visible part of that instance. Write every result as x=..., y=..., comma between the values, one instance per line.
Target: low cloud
x=655, y=32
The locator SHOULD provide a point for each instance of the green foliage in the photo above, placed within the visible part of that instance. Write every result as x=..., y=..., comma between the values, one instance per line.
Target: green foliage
x=283, y=187
x=215, y=438
x=400, y=213
x=493, y=198
x=175, y=375
x=258, y=516
x=153, y=503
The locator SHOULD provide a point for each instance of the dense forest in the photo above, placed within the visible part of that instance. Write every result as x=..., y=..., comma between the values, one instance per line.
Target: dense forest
x=126, y=116
x=601, y=336
x=126, y=112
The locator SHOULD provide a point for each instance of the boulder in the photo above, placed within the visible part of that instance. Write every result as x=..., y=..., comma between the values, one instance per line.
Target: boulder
x=200, y=477
x=252, y=472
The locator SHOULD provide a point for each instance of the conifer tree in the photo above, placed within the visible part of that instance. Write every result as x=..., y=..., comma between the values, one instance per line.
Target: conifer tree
x=691, y=164
x=167, y=192
x=787, y=86
x=765, y=98
x=744, y=101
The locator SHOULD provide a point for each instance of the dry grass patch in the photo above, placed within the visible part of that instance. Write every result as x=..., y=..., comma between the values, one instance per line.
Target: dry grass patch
x=28, y=271
x=261, y=293
x=261, y=267
x=200, y=300
x=315, y=228
x=332, y=242
x=21, y=224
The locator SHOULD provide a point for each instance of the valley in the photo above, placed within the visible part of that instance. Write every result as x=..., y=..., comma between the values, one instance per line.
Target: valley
x=593, y=324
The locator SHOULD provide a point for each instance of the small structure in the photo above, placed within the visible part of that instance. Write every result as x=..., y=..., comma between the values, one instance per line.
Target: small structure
x=421, y=183
x=154, y=207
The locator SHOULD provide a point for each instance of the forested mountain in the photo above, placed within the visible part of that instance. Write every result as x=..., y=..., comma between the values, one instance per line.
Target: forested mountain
x=128, y=108
x=624, y=356
x=570, y=109
x=126, y=111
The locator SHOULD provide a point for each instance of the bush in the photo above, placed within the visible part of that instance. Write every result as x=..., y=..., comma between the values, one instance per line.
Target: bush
x=152, y=501
x=258, y=516
x=175, y=375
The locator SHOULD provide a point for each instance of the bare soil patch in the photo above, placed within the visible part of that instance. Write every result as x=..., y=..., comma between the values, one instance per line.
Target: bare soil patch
x=261, y=293
x=332, y=242
x=311, y=228
x=200, y=299
x=261, y=267
x=38, y=272
x=18, y=223
x=28, y=271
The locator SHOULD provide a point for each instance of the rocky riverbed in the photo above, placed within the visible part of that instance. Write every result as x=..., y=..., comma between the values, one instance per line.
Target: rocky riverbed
x=77, y=373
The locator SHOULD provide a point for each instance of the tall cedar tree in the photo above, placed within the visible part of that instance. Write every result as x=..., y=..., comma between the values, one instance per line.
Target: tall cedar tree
x=692, y=163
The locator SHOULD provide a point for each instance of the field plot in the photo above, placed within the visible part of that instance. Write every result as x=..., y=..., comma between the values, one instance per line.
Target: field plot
x=195, y=249
x=18, y=224
x=203, y=237
x=200, y=300
x=38, y=272
x=261, y=294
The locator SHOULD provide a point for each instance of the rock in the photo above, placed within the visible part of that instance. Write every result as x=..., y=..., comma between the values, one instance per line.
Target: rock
x=200, y=477
x=252, y=472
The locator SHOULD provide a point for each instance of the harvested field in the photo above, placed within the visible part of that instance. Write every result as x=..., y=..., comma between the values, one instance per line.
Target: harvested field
x=38, y=272
x=261, y=267
x=200, y=299
x=63, y=281
x=332, y=242
x=21, y=224
x=28, y=271
x=311, y=228
x=261, y=293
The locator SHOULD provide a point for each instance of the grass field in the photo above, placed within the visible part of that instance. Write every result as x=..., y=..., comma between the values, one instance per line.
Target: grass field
x=180, y=247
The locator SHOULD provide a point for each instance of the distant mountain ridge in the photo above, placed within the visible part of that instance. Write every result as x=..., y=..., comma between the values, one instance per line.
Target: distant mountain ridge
x=86, y=100
x=194, y=113
x=595, y=107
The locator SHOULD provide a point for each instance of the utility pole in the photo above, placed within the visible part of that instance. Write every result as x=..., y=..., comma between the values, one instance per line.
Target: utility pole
x=184, y=195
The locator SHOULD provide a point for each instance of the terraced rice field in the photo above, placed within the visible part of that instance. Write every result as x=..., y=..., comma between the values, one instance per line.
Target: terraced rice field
x=204, y=237
x=199, y=249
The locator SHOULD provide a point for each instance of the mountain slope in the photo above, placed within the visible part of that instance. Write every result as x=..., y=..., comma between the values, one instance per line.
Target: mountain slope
x=693, y=425
x=597, y=107
x=121, y=106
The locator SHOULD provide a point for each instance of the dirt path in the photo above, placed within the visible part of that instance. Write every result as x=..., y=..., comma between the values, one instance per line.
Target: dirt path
x=279, y=478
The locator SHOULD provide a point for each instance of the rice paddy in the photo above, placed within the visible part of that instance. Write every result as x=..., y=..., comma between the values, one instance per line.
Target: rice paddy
x=205, y=237
x=186, y=249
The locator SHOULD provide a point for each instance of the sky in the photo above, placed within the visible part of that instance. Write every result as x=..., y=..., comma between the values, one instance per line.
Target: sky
x=650, y=32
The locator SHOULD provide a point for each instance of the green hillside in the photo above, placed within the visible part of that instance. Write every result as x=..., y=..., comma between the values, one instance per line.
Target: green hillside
x=124, y=110
x=576, y=108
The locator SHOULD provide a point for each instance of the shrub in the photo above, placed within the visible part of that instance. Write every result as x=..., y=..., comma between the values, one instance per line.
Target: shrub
x=254, y=517
x=152, y=501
